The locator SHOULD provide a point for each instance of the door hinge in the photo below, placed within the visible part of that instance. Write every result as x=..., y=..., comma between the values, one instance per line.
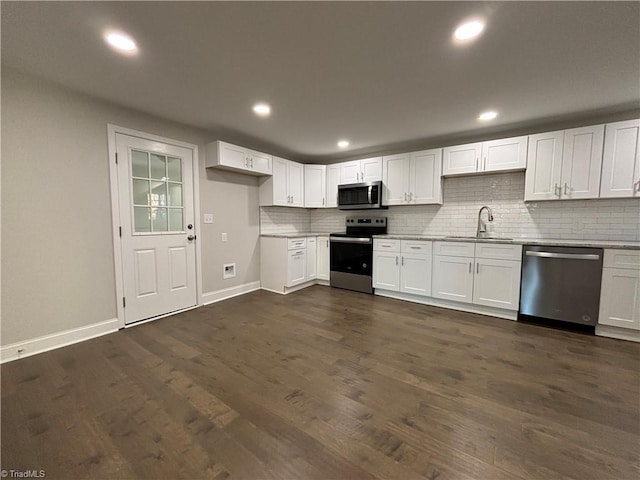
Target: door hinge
x=116, y=158
x=120, y=230
x=124, y=302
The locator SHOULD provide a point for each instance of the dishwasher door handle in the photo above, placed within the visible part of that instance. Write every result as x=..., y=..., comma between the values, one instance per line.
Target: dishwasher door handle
x=571, y=256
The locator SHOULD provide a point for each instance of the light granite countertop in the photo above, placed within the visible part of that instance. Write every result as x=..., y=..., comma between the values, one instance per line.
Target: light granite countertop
x=523, y=241
x=295, y=234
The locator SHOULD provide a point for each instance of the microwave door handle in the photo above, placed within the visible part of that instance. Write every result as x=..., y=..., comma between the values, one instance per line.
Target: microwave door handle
x=369, y=190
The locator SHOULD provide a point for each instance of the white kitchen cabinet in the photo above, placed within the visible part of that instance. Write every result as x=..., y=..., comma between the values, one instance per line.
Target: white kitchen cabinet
x=412, y=178
x=233, y=157
x=296, y=267
x=315, y=186
x=505, y=154
x=620, y=293
x=283, y=263
x=285, y=187
x=497, y=283
x=333, y=180
x=564, y=165
x=402, y=266
x=323, y=258
x=359, y=171
x=453, y=278
x=312, y=257
x=621, y=160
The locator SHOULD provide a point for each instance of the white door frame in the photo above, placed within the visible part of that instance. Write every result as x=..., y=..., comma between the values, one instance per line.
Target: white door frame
x=112, y=130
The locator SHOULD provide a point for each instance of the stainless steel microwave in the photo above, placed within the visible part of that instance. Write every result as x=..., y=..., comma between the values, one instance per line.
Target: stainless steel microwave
x=360, y=196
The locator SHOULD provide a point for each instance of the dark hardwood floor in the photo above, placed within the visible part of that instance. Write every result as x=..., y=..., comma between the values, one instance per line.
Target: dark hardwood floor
x=327, y=384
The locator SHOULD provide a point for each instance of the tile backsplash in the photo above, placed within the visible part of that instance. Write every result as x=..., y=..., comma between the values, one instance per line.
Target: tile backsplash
x=607, y=219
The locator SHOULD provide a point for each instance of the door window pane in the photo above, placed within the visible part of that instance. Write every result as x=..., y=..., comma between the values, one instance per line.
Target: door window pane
x=175, y=219
x=140, y=192
x=175, y=194
x=158, y=167
x=159, y=219
x=158, y=194
x=142, y=219
x=140, y=164
x=174, y=169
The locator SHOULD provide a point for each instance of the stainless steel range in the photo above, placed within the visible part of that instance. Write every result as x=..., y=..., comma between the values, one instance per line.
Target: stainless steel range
x=351, y=253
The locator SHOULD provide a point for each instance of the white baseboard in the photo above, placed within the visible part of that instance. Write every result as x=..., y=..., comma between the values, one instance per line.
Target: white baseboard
x=617, y=332
x=218, y=295
x=437, y=302
x=26, y=348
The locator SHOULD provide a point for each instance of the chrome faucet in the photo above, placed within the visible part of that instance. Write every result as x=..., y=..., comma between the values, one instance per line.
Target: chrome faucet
x=482, y=226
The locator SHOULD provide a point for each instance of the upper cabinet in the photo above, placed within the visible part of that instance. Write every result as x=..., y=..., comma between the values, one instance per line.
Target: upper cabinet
x=240, y=159
x=359, y=171
x=315, y=186
x=412, y=178
x=621, y=160
x=333, y=180
x=505, y=154
x=564, y=165
x=285, y=187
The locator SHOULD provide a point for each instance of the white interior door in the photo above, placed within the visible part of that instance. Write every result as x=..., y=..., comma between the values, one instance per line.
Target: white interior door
x=155, y=192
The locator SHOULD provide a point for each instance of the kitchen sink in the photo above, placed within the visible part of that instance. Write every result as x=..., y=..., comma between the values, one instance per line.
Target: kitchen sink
x=477, y=238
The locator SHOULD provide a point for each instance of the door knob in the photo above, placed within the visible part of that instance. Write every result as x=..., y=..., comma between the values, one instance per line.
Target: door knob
x=191, y=237
x=189, y=226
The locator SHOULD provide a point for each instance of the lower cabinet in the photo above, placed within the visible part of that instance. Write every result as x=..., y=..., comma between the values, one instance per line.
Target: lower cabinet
x=453, y=278
x=322, y=260
x=497, y=283
x=402, y=266
x=296, y=267
x=620, y=294
x=312, y=256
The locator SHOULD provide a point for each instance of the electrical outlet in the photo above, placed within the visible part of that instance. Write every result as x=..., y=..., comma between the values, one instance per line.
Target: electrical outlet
x=224, y=237
x=208, y=218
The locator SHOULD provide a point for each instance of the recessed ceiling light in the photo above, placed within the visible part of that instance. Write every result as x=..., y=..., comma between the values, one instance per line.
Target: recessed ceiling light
x=121, y=42
x=343, y=143
x=262, y=109
x=488, y=115
x=468, y=30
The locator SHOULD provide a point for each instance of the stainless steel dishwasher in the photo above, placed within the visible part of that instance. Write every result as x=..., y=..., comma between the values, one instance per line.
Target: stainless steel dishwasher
x=561, y=283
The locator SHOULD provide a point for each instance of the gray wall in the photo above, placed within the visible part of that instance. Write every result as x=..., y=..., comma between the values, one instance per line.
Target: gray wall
x=57, y=250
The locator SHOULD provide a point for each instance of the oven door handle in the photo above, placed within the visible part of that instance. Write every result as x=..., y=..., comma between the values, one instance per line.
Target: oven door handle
x=351, y=240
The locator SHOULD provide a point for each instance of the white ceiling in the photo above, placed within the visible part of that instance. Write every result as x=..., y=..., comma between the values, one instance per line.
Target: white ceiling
x=380, y=74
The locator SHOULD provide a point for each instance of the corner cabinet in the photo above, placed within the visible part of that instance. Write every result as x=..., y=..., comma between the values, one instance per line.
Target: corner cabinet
x=412, y=178
x=621, y=160
x=285, y=187
x=240, y=159
x=564, y=165
x=322, y=257
x=315, y=186
x=502, y=155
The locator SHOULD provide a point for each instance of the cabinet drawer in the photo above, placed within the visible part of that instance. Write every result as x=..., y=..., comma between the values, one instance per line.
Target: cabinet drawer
x=297, y=243
x=499, y=251
x=386, y=245
x=622, y=259
x=454, y=249
x=416, y=246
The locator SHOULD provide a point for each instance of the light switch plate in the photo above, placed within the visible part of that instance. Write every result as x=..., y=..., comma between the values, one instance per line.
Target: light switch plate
x=224, y=237
x=208, y=218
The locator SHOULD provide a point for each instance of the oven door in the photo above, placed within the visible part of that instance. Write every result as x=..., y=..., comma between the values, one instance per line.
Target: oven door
x=352, y=255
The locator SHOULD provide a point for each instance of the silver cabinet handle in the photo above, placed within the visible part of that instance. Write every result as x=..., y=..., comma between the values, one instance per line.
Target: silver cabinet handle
x=636, y=186
x=469, y=267
x=565, y=188
x=477, y=268
x=477, y=163
x=403, y=260
x=396, y=260
x=323, y=201
x=327, y=243
x=484, y=163
x=556, y=189
x=251, y=162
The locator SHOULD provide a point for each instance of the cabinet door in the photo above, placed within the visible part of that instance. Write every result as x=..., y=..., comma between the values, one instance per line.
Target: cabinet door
x=620, y=298
x=621, y=160
x=544, y=166
x=233, y=156
x=415, y=275
x=350, y=172
x=315, y=187
x=582, y=162
x=323, y=258
x=312, y=256
x=395, y=179
x=461, y=159
x=296, y=267
x=295, y=181
x=453, y=278
x=371, y=169
x=386, y=270
x=425, y=177
x=497, y=283
x=279, y=178
x=333, y=179
x=260, y=162
x=504, y=154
